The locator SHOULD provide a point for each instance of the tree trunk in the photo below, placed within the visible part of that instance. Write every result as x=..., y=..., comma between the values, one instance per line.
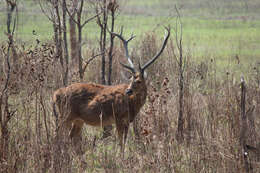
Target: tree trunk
x=65, y=44
x=10, y=9
x=244, y=127
x=58, y=35
x=81, y=73
x=73, y=44
x=181, y=94
x=103, y=43
x=110, y=54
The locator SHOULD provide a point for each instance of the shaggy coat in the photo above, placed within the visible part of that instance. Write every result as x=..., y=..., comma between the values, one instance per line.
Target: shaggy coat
x=100, y=105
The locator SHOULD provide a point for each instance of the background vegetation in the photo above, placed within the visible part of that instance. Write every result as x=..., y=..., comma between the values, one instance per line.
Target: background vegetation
x=221, y=41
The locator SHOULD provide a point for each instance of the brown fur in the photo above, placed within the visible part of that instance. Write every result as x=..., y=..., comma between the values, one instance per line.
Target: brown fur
x=100, y=105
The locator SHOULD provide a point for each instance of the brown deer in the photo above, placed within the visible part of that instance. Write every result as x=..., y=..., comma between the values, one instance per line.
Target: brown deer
x=102, y=105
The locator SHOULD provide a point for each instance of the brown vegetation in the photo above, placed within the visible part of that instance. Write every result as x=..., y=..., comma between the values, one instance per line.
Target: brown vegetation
x=212, y=120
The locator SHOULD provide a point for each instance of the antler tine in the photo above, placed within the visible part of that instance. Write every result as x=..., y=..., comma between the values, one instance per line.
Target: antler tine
x=158, y=53
x=125, y=42
x=128, y=67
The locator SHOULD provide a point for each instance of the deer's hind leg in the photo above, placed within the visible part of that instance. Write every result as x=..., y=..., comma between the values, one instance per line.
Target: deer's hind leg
x=64, y=125
x=75, y=135
x=75, y=131
x=126, y=126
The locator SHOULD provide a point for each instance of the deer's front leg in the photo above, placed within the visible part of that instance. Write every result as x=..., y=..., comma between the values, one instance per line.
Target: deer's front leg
x=122, y=130
x=126, y=126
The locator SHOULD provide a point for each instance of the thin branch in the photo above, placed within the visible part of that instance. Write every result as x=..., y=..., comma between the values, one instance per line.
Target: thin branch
x=179, y=42
x=80, y=8
x=91, y=59
x=85, y=22
x=91, y=18
x=98, y=19
x=15, y=20
x=43, y=11
x=69, y=13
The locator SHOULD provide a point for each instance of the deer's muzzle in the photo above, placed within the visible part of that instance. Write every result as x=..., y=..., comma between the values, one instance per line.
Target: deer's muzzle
x=129, y=91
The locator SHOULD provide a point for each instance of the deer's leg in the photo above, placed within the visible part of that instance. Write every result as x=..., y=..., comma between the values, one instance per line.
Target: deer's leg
x=120, y=132
x=67, y=124
x=122, y=135
x=63, y=127
x=76, y=129
x=75, y=135
x=107, y=131
x=125, y=134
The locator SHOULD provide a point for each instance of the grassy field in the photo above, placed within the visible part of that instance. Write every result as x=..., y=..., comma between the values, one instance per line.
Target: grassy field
x=221, y=38
x=220, y=29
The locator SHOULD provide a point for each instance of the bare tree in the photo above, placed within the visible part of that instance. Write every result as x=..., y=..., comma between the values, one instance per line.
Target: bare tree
x=73, y=36
x=244, y=129
x=112, y=7
x=55, y=17
x=65, y=42
x=102, y=22
x=181, y=66
x=6, y=113
x=77, y=10
x=11, y=8
x=55, y=11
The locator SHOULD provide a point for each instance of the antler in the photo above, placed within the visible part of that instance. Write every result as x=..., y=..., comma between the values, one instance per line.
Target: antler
x=125, y=42
x=159, y=53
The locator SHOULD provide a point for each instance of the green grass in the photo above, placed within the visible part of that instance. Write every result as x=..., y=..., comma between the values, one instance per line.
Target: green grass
x=218, y=29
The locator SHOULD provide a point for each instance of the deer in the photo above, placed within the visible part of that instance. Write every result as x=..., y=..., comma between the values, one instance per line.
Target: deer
x=101, y=105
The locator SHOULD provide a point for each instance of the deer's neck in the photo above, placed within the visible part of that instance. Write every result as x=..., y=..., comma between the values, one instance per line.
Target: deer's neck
x=141, y=96
x=136, y=102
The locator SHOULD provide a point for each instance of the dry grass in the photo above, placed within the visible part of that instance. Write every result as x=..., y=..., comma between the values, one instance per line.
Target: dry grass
x=212, y=119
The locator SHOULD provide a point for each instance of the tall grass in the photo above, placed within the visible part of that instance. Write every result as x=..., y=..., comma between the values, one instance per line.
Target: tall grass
x=211, y=109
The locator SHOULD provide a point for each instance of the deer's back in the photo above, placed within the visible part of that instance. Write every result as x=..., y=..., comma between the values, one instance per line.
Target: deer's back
x=88, y=101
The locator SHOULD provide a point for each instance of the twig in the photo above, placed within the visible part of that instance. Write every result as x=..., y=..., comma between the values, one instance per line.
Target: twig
x=43, y=11
x=91, y=59
x=85, y=22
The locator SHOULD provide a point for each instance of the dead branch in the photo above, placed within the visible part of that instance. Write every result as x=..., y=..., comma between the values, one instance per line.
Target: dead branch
x=90, y=60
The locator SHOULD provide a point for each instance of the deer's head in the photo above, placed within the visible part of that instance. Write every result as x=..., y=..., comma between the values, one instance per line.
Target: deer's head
x=137, y=79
